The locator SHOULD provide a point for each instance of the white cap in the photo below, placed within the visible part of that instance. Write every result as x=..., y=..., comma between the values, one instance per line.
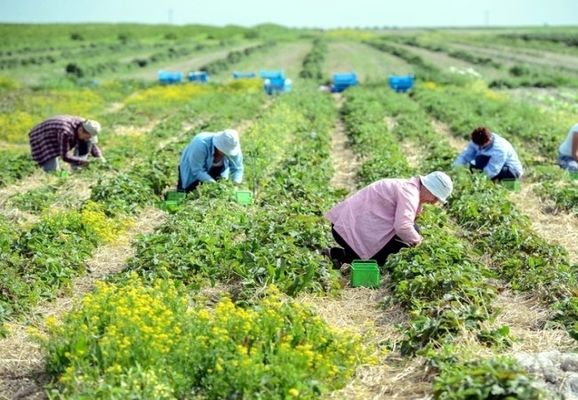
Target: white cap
x=439, y=184
x=227, y=142
x=91, y=127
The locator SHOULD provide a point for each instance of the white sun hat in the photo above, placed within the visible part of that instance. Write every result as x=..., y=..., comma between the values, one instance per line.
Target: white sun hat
x=228, y=142
x=91, y=127
x=439, y=184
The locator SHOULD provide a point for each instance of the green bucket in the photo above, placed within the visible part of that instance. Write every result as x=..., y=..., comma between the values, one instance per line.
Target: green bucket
x=365, y=273
x=513, y=185
x=176, y=196
x=244, y=196
x=170, y=206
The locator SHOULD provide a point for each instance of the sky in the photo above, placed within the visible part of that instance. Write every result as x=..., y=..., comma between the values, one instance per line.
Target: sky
x=297, y=13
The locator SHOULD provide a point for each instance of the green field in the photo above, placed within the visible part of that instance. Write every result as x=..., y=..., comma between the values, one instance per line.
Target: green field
x=105, y=293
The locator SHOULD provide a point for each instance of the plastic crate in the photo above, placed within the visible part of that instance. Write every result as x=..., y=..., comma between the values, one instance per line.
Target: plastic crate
x=513, y=185
x=171, y=206
x=400, y=83
x=170, y=77
x=275, y=82
x=176, y=196
x=365, y=273
x=244, y=196
x=342, y=81
x=198, y=76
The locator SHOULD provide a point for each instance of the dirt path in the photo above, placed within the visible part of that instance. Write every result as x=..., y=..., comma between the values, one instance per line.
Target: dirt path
x=21, y=363
x=559, y=227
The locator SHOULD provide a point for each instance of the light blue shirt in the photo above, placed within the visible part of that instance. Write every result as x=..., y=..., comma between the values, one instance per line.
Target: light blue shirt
x=501, y=154
x=197, y=160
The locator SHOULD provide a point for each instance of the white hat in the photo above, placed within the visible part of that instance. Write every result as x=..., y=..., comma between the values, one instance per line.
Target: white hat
x=228, y=142
x=91, y=127
x=439, y=184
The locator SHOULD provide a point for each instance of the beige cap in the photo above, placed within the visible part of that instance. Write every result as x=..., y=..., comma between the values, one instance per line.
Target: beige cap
x=91, y=126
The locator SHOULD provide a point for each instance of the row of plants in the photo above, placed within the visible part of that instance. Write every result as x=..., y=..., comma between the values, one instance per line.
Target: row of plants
x=521, y=74
x=312, y=66
x=266, y=346
x=235, y=56
x=81, y=69
x=159, y=340
x=459, y=54
x=523, y=259
x=441, y=282
x=264, y=243
x=484, y=211
x=47, y=255
x=536, y=134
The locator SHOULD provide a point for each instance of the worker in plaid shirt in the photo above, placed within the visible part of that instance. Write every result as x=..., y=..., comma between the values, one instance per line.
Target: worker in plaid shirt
x=56, y=137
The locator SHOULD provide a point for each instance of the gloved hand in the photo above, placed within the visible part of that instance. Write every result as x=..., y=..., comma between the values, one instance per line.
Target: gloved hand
x=102, y=159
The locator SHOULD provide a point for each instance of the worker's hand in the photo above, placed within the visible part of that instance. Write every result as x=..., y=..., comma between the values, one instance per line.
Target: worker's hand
x=102, y=159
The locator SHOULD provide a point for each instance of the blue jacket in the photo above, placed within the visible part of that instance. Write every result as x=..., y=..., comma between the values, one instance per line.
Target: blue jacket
x=197, y=159
x=501, y=154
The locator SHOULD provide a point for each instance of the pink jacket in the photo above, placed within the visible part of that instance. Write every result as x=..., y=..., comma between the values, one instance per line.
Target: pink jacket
x=370, y=218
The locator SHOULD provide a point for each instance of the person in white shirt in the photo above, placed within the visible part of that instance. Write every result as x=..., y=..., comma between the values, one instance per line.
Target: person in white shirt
x=568, y=151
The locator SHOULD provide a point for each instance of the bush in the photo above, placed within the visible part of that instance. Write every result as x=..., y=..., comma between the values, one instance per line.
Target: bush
x=147, y=342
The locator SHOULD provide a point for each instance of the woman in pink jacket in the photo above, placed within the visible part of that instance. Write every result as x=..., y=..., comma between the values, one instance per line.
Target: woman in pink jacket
x=379, y=220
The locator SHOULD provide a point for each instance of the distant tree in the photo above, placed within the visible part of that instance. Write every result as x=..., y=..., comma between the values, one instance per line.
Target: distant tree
x=170, y=36
x=76, y=36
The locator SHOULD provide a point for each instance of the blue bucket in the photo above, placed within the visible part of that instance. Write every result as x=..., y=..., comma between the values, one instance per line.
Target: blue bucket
x=401, y=83
x=169, y=77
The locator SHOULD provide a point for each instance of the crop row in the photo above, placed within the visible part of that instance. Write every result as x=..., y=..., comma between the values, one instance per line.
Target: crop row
x=46, y=256
x=441, y=282
x=535, y=133
x=264, y=346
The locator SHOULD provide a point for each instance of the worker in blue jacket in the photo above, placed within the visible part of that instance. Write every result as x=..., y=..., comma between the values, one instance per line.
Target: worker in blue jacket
x=489, y=152
x=210, y=156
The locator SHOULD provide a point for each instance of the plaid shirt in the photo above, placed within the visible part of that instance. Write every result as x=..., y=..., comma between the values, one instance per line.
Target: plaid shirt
x=55, y=137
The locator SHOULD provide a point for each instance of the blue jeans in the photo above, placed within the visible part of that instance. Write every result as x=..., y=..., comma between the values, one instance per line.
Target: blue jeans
x=567, y=162
x=51, y=165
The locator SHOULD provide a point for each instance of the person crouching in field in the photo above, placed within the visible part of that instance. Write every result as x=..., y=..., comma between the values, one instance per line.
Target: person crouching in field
x=209, y=157
x=492, y=154
x=568, y=151
x=55, y=137
x=379, y=219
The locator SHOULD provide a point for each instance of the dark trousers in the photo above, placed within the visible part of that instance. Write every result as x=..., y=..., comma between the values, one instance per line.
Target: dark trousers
x=215, y=173
x=345, y=253
x=82, y=148
x=506, y=172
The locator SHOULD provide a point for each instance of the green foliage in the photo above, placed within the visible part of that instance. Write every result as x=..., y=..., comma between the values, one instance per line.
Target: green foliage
x=498, y=379
x=35, y=201
x=14, y=166
x=313, y=61
x=234, y=57
x=134, y=340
